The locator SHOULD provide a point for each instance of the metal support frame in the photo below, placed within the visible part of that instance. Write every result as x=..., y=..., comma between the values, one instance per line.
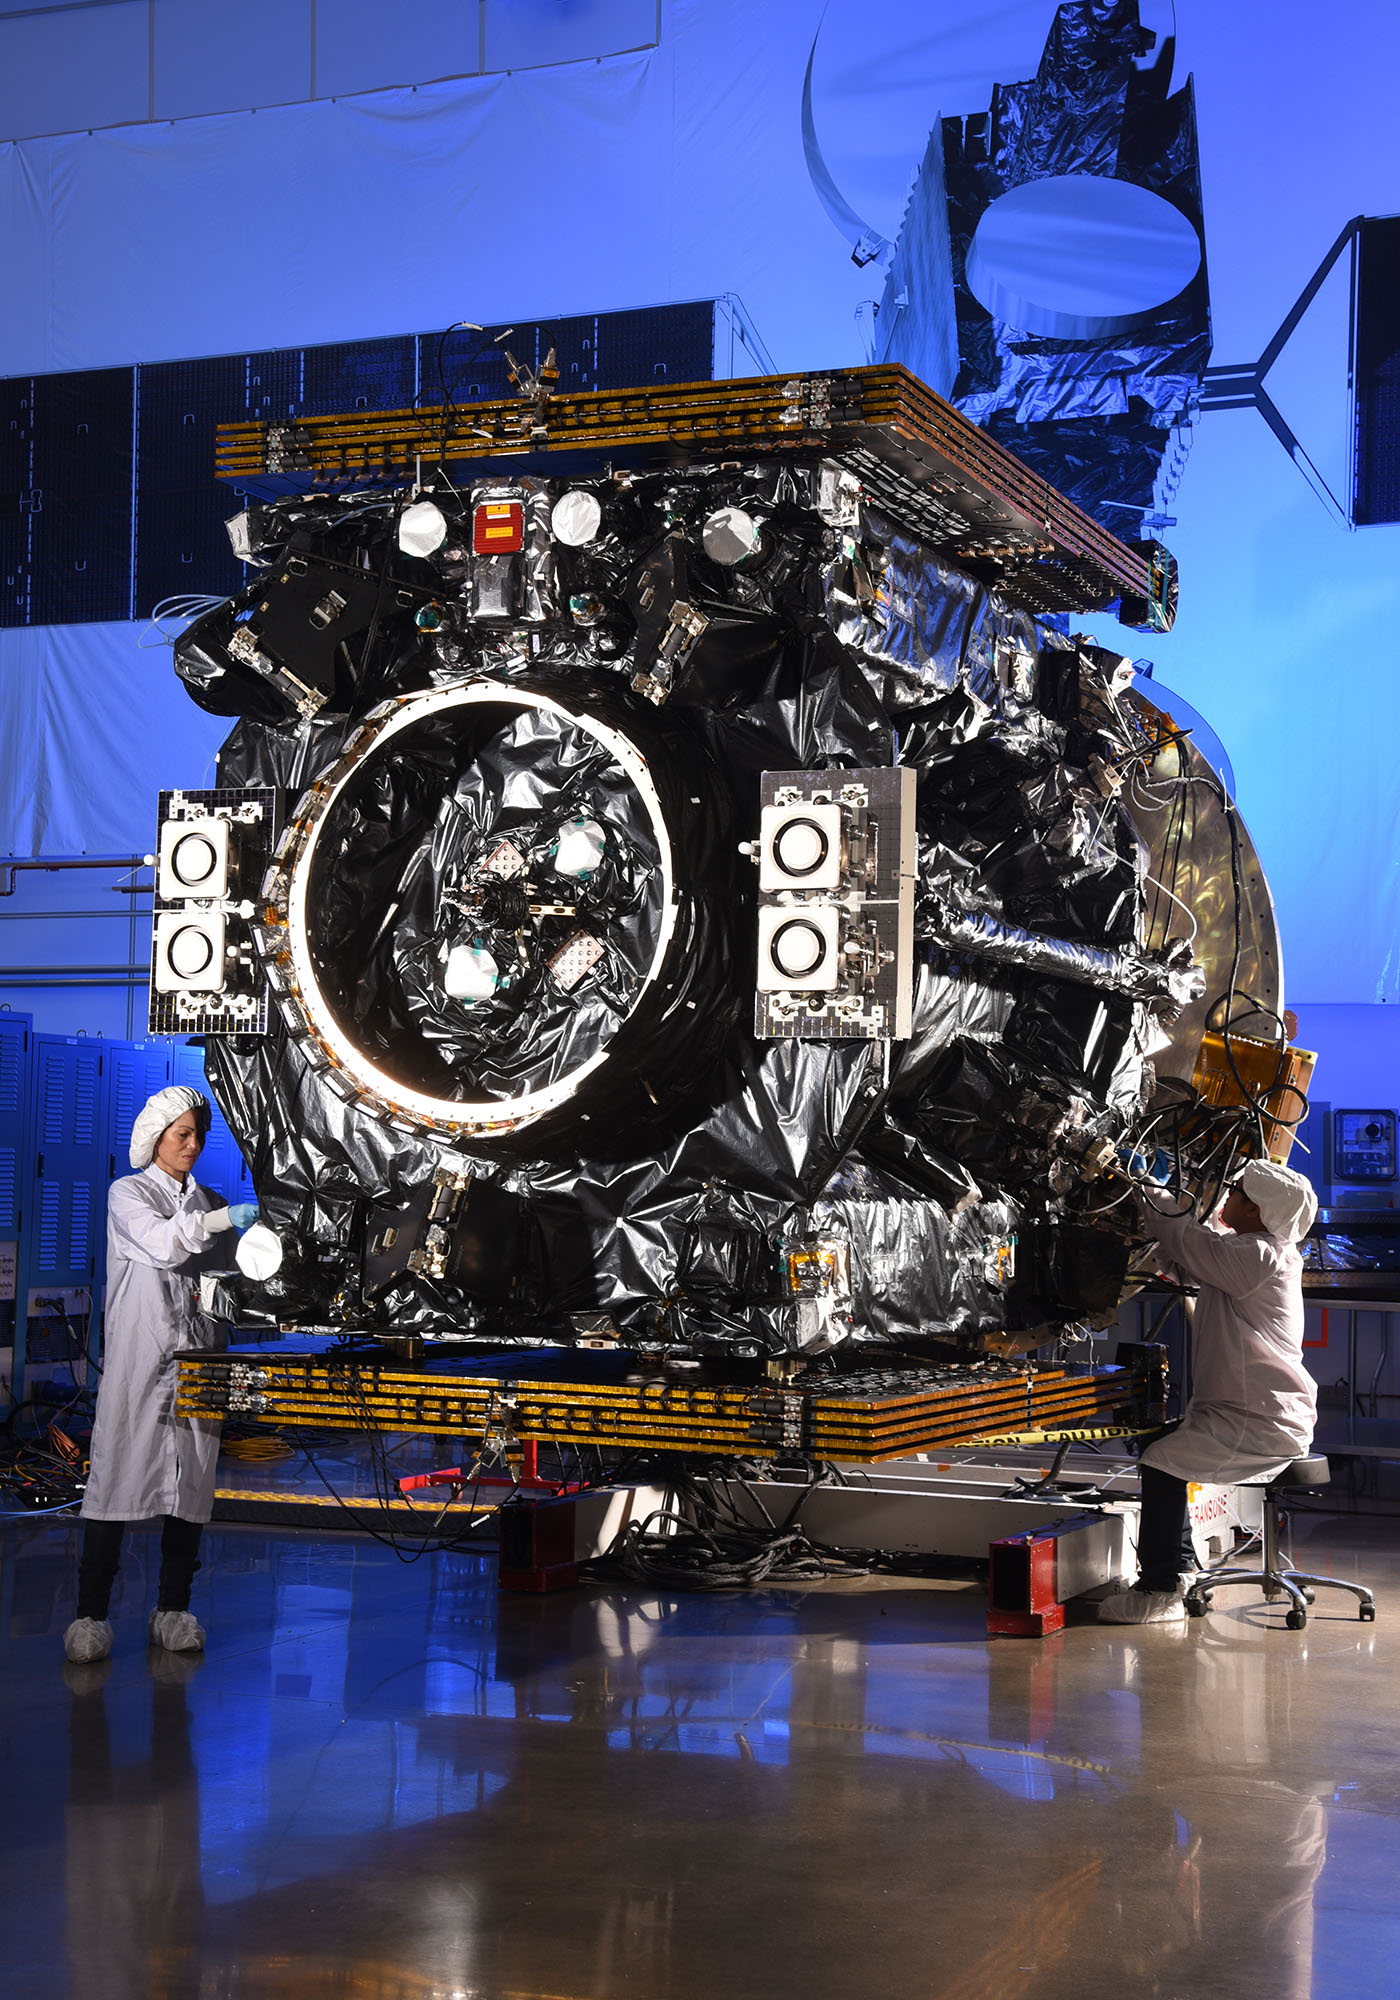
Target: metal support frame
x=530, y=1479
x=37, y=865
x=910, y=1507
x=1241, y=387
x=1044, y=1543
x=913, y=1508
x=1034, y=1575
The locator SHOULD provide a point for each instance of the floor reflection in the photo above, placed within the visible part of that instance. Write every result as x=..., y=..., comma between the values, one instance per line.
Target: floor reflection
x=132, y=1838
x=386, y=1779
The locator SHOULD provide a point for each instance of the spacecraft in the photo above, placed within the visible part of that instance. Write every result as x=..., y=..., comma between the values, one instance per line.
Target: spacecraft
x=676, y=882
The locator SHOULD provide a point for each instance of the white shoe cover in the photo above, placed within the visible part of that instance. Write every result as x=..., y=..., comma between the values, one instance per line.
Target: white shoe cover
x=177, y=1631
x=88, y=1639
x=1143, y=1607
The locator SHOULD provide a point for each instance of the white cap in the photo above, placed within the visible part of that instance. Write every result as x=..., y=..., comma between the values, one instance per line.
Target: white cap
x=577, y=518
x=470, y=974
x=422, y=528
x=161, y=1111
x=582, y=843
x=1286, y=1203
x=259, y=1252
x=729, y=535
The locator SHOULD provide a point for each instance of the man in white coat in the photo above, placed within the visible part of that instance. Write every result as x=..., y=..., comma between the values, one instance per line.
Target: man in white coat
x=147, y=1463
x=1254, y=1403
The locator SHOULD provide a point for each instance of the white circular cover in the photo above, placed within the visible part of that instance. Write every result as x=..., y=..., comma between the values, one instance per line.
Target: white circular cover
x=259, y=1252
x=798, y=948
x=800, y=846
x=190, y=951
x=729, y=535
x=422, y=528
x=193, y=859
x=576, y=519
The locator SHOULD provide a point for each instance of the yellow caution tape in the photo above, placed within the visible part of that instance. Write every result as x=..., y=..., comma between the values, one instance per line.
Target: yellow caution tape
x=1090, y=1435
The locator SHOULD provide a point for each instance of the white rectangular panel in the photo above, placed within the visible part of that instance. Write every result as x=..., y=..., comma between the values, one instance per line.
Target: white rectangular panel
x=799, y=847
x=188, y=953
x=799, y=947
x=192, y=864
x=429, y=39
x=72, y=71
x=210, y=56
x=522, y=34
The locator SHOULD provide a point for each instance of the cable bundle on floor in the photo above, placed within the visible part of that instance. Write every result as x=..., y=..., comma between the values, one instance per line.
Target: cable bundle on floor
x=705, y=1542
x=43, y=1473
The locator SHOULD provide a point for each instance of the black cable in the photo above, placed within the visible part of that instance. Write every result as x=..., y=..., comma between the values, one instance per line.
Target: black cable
x=706, y=1543
x=449, y=404
x=385, y=1487
x=457, y=1541
x=390, y=543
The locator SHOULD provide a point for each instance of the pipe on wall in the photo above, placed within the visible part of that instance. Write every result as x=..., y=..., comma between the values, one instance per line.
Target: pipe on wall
x=35, y=864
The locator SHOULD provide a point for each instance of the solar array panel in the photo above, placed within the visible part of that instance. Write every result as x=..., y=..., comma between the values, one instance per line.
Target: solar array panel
x=108, y=500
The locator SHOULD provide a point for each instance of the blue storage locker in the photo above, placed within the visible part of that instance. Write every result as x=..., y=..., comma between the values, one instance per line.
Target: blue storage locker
x=63, y=1246
x=14, y=1154
x=67, y=1214
x=135, y=1071
x=221, y=1166
x=14, y=1104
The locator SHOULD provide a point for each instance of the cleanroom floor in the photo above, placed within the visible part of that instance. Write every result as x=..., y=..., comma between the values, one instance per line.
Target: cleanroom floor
x=386, y=1780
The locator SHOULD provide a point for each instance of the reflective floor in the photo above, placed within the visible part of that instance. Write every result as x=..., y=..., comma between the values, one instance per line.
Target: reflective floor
x=384, y=1780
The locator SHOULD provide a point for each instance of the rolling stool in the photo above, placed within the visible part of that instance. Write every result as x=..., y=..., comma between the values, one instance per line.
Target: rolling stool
x=1275, y=1580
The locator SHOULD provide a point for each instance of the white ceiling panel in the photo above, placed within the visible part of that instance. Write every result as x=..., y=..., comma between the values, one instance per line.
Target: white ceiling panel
x=69, y=70
x=429, y=39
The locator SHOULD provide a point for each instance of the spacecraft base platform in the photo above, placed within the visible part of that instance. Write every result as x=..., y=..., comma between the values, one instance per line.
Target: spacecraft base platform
x=608, y=1402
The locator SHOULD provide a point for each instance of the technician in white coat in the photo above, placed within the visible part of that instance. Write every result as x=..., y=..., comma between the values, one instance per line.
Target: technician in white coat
x=163, y=1229
x=1254, y=1403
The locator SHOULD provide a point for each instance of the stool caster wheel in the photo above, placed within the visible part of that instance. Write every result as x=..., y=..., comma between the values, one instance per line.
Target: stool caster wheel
x=1311, y=1595
x=1196, y=1607
x=1296, y=1619
x=1367, y=1614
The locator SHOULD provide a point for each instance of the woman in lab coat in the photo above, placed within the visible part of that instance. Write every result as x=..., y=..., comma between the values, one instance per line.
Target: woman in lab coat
x=163, y=1229
x=1254, y=1403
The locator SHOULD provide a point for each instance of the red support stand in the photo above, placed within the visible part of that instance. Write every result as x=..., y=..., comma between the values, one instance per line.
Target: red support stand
x=1036, y=1574
x=528, y=1482
x=537, y=1528
x=1023, y=1599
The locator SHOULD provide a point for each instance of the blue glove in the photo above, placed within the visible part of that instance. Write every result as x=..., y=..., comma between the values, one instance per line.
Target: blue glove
x=241, y=1213
x=1140, y=1167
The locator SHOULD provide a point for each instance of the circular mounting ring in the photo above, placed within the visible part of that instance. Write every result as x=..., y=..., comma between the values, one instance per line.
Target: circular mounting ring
x=285, y=937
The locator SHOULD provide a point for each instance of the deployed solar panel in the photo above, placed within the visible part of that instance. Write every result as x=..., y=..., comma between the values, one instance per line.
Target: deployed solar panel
x=108, y=501
x=1376, y=373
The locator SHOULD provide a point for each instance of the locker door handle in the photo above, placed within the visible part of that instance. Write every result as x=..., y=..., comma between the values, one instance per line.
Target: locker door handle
x=40, y=1168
